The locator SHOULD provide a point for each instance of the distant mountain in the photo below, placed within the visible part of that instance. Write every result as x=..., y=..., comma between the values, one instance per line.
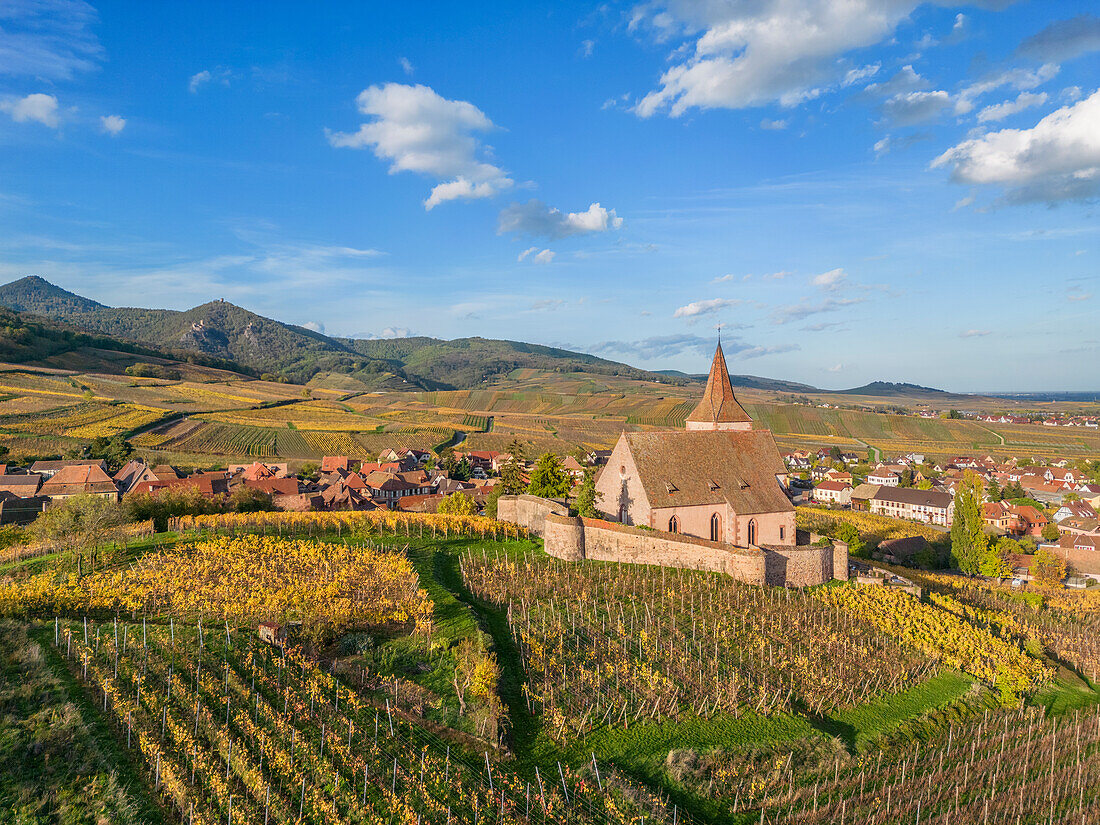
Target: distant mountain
x=40, y=297
x=752, y=382
x=889, y=389
x=226, y=331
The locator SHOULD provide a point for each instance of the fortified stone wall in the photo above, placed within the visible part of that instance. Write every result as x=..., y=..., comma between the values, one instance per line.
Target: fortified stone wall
x=528, y=511
x=575, y=539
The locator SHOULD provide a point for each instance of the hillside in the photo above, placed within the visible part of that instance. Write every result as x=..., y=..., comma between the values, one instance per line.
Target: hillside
x=226, y=331
x=752, y=382
x=890, y=389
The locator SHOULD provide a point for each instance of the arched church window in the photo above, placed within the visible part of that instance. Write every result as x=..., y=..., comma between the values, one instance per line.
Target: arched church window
x=715, y=528
x=674, y=525
x=752, y=532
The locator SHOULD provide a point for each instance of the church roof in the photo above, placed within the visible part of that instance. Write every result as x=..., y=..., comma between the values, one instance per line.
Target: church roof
x=685, y=468
x=719, y=406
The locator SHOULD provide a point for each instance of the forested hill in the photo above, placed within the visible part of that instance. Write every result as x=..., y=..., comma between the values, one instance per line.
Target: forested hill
x=224, y=330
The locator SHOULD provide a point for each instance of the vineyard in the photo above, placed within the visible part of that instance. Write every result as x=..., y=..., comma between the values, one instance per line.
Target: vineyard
x=230, y=730
x=700, y=645
x=446, y=670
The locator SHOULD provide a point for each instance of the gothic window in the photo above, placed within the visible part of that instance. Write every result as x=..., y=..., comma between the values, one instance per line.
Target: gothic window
x=752, y=532
x=674, y=525
x=715, y=528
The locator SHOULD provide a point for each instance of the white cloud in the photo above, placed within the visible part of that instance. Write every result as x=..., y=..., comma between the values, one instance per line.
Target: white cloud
x=47, y=39
x=696, y=308
x=417, y=130
x=406, y=65
x=1018, y=79
x=1056, y=160
x=721, y=279
x=907, y=79
x=315, y=326
x=544, y=256
x=804, y=309
x=658, y=346
x=459, y=189
x=587, y=47
x=112, y=124
x=535, y=218
x=773, y=125
x=198, y=80
x=830, y=280
x=891, y=144
x=754, y=53
x=975, y=333
x=546, y=304
x=39, y=108
x=999, y=111
x=1064, y=39
x=862, y=73
x=836, y=368
x=757, y=352
x=908, y=108
x=394, y=332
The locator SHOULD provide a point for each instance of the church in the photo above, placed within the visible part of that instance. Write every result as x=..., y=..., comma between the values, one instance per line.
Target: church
x=720, y=478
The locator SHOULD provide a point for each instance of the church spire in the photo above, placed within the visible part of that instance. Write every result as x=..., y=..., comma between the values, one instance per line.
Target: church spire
x=719, y=410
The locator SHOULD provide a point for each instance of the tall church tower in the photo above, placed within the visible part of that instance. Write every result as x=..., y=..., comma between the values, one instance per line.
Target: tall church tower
x=719, y=409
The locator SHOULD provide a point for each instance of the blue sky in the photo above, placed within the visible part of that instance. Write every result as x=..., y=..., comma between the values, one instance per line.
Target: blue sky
x=874, y=189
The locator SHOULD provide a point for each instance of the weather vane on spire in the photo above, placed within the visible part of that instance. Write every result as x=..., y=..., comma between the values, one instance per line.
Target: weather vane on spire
x=719, y=333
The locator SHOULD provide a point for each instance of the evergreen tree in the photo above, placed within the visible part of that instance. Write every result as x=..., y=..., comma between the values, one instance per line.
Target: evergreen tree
x=906, y=477
x=516, y=449
x=549, y=480
x=588, y=496
x=511, y=477
x=968, y=539
x=993, y=491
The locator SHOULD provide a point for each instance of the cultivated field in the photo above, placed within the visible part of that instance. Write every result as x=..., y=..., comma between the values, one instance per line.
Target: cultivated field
x=217, y=414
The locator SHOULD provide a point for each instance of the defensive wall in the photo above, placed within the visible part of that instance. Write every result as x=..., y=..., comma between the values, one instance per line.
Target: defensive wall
x=574, y=539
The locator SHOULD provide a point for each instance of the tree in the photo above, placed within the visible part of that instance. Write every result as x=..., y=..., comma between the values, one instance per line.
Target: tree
x=457, y=504
x=115, y=450
x=458, y=470
x=906, y=477
x=996, y=562
x=250, y=500
x=1070, y=497
x=549, y=480
x=968, y=539
x=309, y=470
x=1014, y=490
x=924, y=484
x=79, y=523
x=588, y=496
x=515, y=448
x=1047, y=569
x=493, y=499
x=993, y=491
x=429, y=463
x=511, y=477
x=1050, y=532
x=848, y=534
x=835, y=453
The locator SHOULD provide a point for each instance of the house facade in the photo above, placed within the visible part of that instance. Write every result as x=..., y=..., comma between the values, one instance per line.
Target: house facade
x=929, y=506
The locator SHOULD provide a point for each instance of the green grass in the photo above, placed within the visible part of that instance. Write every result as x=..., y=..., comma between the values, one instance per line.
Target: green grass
x=60, y=762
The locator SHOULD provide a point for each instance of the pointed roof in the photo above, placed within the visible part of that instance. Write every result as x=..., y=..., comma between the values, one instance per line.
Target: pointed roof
x=719, y=406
